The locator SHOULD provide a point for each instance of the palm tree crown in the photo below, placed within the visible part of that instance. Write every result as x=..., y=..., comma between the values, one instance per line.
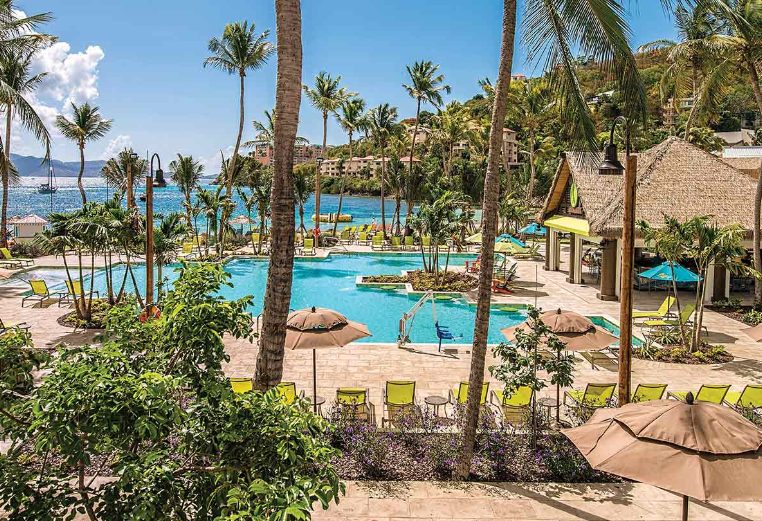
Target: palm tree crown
x=382, y=122
x=86, y=124
x=327, y=95
x=426, y=85
x=115, y=169
x=352, y=117
x=239, y=49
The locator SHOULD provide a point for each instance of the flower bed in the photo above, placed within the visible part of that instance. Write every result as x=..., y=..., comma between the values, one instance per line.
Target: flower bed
x=98, y=320
x=422, y=281
x=677, y=354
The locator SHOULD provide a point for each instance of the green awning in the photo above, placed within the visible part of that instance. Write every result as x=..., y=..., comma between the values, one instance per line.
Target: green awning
x=568, y=224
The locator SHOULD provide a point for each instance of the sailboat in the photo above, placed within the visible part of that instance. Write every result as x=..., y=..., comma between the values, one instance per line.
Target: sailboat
x=49, y=187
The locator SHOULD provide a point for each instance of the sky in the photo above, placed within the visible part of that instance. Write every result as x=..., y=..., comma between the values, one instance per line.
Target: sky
x=140, y=61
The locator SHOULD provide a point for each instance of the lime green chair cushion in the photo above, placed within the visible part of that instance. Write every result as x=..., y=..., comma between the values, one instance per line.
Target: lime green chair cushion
x=648, y=392
x=522, y=397
x=409, y=241
x=241, y=385
x=287, y=391
x=750, y=397
x=666, y=305
x=351, y=396
x=400, y=393
x=706, y=393
x=594, y=395
x=39, y=287
x=461, y=393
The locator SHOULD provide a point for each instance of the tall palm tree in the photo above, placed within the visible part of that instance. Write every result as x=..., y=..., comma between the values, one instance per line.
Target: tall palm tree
x=552, y=32
x=395, y=181
x=266, y=132
x=450, y=126
x=351, y=119
x=16, y=77
x=115, y=170
x=426, y=86
x=168, y=237
x=302, y=191
x=326, y=96
x=86, y=125
x=238, y=51
x=382, y=124
x=186, y=173
x=277, y=299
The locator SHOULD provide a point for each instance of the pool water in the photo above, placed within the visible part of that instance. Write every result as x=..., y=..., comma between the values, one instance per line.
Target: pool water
x=331, y=283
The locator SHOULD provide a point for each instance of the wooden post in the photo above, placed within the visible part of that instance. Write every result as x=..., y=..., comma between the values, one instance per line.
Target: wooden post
x=149, y=239
x=130, y=194
x=625, y=299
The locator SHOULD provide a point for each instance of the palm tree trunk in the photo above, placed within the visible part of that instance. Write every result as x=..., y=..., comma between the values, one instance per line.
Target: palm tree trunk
x=6, y=176
x=383, y=181
x=81, y=172
x=277, y=299
x=532, y=171
x=188, y=214
x=341, y=189
x=234, y=159
x=412, y=141
x=317, y=181
x=758, y=194
x=489, y=225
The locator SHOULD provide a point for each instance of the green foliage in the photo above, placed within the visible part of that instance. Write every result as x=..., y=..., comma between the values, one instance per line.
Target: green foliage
x=151, y=413
x=752, y=317
x=705, y=139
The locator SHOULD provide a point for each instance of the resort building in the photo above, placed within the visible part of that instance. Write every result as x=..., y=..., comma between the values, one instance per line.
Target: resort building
x=421, y=136
x=745, y=159
x=25, y=227
x=738, y=138
x=358, y=166
x=674, y=178
x=672, y=109
x=263, y=152
x=510, y=147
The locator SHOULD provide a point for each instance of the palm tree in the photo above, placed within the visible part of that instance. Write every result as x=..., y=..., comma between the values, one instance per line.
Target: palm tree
x=86, y=125
x=115, y=170
x=17, y=81
x=395, y=181
x=451, y=126
x=426, y=86
x=302, y=191
x=277, y=299
x=382, y=122
x=552, y=32
x=326, y=96
x=351, y=119
x=168, y=237
x=266, y=132
x=260, y=183
x=186, y=174
x=239, y=50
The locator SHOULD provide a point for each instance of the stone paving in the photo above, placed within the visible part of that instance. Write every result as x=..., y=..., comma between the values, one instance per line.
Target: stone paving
x=370, y=365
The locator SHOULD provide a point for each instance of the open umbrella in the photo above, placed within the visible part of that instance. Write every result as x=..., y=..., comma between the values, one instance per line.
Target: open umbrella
x=534, y=229
x=507, y=237
x=241, y=220
x=316, y=328
x=663, y=272
x=475, y=238
x=508, y=247
x=698, y=450
x=577, y=332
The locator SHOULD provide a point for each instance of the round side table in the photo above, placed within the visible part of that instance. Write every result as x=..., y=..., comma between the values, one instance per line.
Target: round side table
x=549, y=404
x=436, y=402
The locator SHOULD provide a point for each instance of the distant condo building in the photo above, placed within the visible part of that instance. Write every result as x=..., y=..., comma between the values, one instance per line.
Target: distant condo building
x=510, y=147
x=358, y=166
x=303, y=153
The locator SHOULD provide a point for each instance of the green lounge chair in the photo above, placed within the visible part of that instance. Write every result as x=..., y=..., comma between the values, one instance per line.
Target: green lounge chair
x=255, y=238
x=6, y=253
x=460, y=395
x=355, y=402
x=189, y=251
x=595, y=396
x=648, y=392
x=40, y=292
x=378, y=242
x=396, y=243
x=4, y=328
x=362, y=238
x=426, y=241
x=684, y=318
x=241, y=385
x=409, y=242
x=399, y=401
x=287, y=390
x=514, y=406
x=706, y=393
x=309, y=247
x=346, y=236
x=749, y=398
x=662, y=312
x=74, y=290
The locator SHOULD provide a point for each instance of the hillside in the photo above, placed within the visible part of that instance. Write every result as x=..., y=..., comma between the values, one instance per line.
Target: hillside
x=29, y=166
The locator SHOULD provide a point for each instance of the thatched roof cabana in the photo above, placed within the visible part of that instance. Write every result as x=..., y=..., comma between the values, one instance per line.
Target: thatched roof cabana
x=674, y=177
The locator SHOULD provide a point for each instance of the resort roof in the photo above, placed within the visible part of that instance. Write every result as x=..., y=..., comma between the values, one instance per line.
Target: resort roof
x=748, y=165
x=27, y=219
x=674, y=177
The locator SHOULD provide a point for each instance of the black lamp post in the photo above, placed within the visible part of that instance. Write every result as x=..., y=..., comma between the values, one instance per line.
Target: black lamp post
x=611, y=166
x=149, y=226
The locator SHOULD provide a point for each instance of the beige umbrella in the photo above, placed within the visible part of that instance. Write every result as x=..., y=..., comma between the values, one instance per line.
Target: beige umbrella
x=316, y=328
x=754, y=332
x=697, y=449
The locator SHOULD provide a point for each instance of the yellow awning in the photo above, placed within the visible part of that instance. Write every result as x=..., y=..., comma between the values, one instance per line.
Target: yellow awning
x=568, y=224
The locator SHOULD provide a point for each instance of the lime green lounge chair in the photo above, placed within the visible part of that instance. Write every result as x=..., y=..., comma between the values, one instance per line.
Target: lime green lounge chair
x=378, y=242
x=409, y=242
x=662, y=312
x=514, y=406
x=426, y=241
x=346, y=236
x=706, y=393
x=749, y=398
x=40, y=292
x=396, y=243
x=6, y=253
x=355, y=403
x=74, y=290
x=287, y=390
x=595, y=396
x=399, y=401
x=460, y=395
x=362, y=238
x=255, y=238
x=648, y=392
x=241, y=385
x=309, y=247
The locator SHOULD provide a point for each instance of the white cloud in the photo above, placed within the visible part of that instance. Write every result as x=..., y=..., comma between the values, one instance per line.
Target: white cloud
x=71, y=77
x=116, y=145
x=213, y=163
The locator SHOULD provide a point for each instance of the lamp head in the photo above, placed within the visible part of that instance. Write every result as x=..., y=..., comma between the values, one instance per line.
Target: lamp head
x=319, y=161
x=610, y=164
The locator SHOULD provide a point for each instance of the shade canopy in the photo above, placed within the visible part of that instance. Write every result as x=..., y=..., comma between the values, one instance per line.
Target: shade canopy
x=508, y=247
x=700, y=449
x=576, y=331
x=316, y=328
x=507, y=237
x=241, y=220
x=569, y=225
x=534, y=229
x=664, y=272
x=475, y=238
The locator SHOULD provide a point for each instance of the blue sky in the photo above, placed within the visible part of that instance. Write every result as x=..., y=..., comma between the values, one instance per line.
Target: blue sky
x=141, y=62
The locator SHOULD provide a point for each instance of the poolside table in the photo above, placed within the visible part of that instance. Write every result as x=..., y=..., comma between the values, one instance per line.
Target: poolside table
x=548, y=404
x=319, y=401
x=436, y=402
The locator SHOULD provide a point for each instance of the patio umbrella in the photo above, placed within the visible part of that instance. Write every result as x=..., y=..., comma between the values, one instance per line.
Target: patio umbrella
x=241, y=220
x=663, y=272
x=508, y=247
x=696, y=449
x=507, y=237
x=534, y=229
x=576, y=331
x=317, y=328
x=475, y=238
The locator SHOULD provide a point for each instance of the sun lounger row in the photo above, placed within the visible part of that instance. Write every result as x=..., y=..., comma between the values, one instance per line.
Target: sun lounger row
x=41, y=292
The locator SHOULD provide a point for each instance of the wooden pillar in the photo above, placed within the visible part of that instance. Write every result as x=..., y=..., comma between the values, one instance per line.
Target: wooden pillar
x=546, y=267
x=628, y=261
x=572, y=258
x=557, y=252
x=608, y=270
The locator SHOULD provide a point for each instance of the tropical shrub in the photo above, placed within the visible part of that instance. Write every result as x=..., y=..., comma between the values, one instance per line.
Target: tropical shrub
x=147, y=427
x=752, y=317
